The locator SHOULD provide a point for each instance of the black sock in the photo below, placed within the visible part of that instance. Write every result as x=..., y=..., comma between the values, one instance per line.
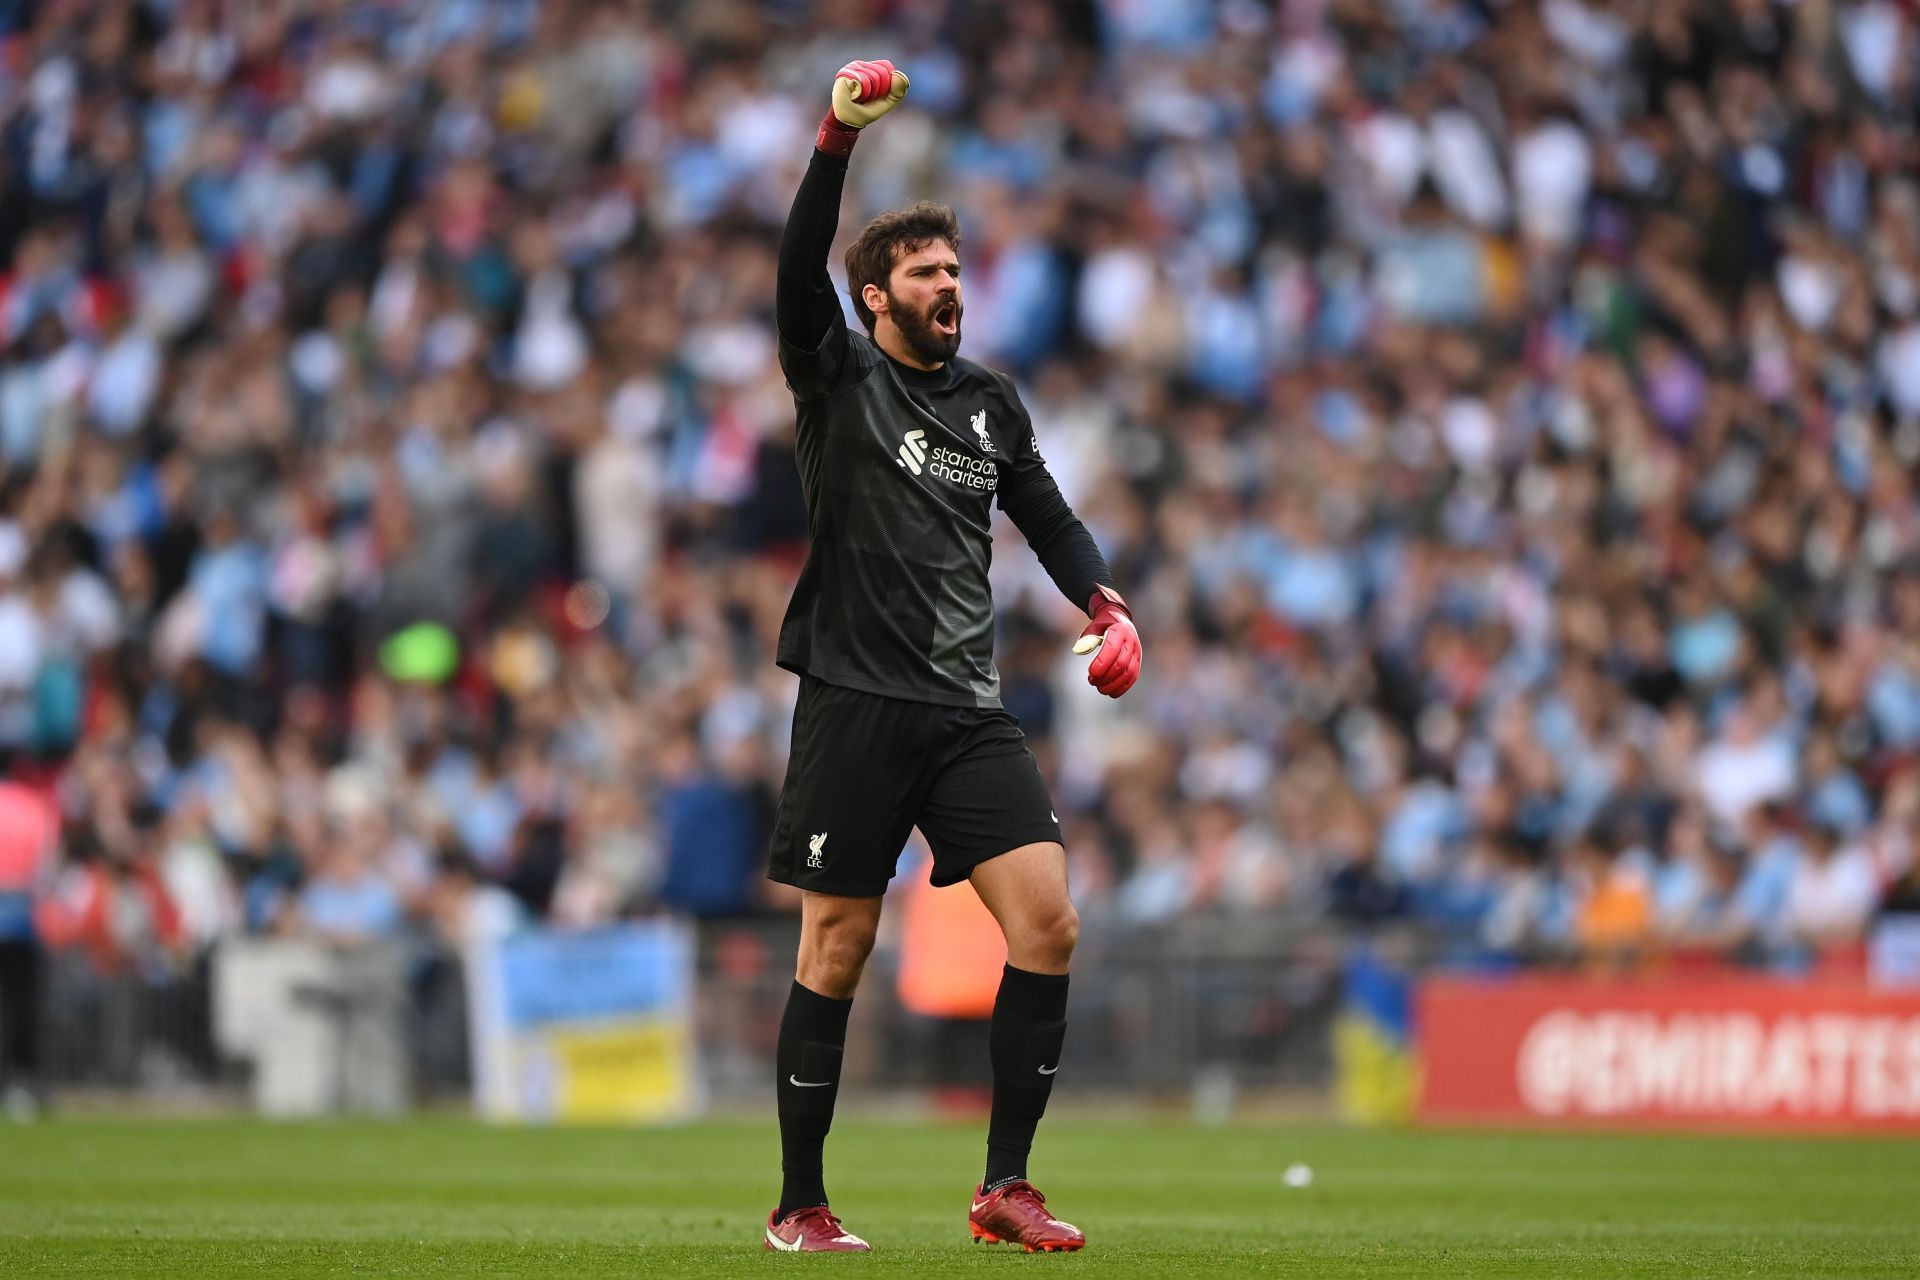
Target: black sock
x=813, y=1032
x=1029, y=1025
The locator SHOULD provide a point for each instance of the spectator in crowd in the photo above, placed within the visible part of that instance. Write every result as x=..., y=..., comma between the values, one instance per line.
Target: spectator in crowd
x=28, y=837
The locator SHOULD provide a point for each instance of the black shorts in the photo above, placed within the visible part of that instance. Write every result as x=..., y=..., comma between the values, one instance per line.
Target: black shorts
x=866, y=769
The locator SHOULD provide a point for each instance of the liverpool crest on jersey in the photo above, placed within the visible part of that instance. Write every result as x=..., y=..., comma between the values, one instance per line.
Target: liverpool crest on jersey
x=980, y=429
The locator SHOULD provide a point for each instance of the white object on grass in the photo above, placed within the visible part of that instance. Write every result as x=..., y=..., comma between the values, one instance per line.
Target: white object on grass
x=1298, y=1175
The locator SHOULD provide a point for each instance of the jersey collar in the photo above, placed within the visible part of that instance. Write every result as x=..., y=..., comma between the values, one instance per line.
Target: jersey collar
x=925, y=379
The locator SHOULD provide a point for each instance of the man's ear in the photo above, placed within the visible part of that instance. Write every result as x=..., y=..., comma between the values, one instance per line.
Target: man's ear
x=876, y=299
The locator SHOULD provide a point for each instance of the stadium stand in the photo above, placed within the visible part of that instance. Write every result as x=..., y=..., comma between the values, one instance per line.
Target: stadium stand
x=1504, y=416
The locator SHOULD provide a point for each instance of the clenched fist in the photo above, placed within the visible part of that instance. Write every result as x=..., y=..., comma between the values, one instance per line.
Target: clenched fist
x=1113, y=640
x=864, y=91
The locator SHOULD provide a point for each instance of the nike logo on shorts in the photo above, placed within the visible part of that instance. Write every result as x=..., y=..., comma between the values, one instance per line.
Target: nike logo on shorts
x=808, y=1084
x=1047, y=1071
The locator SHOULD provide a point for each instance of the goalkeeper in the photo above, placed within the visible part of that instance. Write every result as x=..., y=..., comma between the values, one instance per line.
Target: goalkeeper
x=903, y=447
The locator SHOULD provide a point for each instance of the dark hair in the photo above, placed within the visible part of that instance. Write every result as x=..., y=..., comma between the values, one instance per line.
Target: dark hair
x=888, y=238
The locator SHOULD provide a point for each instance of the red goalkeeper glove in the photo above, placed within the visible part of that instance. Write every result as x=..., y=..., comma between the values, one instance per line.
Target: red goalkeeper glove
x=1113, y=640
x=862, y=92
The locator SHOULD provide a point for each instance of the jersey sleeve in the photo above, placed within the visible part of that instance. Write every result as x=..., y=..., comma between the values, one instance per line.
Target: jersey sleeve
x=1034, y=503
x=813, y=331
x=816, y=371
x=1027, y=475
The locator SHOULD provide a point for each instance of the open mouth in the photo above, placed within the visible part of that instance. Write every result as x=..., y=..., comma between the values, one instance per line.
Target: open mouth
x=946, y=318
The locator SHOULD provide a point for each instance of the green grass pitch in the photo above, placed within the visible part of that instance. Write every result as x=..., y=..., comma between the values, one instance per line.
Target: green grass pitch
x=95, y=1197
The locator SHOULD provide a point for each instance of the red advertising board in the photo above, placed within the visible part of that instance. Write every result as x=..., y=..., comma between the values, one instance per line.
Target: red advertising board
x=1701, y=1053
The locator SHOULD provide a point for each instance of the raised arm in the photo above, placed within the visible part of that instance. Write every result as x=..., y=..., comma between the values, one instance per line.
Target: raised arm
x=813, y=332
x=804, y=303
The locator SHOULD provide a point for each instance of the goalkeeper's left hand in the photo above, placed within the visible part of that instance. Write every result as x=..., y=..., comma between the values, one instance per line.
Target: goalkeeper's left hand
x=1113, y=640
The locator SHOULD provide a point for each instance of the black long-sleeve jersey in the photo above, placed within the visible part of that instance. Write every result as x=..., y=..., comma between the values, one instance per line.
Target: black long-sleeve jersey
x=900, y=466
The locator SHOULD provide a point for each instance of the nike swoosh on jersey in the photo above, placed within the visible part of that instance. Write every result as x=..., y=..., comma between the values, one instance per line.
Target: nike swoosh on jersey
x=1047, y=1071
x=808, y=1084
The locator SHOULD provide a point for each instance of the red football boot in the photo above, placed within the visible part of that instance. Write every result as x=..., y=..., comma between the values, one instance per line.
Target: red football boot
x=813, y=1230
x=1017, y=1214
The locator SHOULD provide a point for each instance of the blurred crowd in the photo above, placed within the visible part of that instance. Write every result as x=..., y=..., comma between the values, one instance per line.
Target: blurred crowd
x=1502, y=414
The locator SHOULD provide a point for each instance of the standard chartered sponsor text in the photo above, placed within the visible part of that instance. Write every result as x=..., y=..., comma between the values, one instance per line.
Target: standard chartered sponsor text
x=1827, y=1064
x=959, y=468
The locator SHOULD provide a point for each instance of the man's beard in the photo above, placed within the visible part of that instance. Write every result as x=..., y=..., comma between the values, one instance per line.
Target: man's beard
x=917, y=330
